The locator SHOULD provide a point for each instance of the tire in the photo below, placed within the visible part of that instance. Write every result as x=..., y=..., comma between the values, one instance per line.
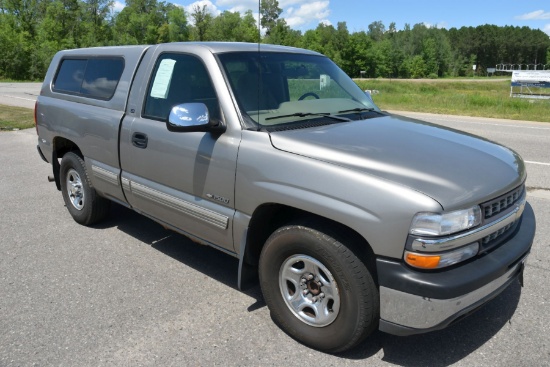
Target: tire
x=84, y=204
x=332, y=312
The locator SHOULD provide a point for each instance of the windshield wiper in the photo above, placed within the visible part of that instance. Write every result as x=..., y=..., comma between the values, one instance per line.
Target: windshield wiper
x=359, y=109
x=305, y=114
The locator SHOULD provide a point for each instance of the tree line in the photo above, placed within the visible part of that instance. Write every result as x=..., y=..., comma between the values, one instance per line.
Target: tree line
x=32, y=31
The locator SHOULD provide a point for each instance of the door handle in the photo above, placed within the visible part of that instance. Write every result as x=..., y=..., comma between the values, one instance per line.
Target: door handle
x=139, y=140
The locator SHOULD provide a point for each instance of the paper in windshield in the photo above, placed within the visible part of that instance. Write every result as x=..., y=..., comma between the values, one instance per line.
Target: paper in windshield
x=161, y=84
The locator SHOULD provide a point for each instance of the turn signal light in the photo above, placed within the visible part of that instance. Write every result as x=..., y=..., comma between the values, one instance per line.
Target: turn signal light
x=442, y=259
x=422, y=261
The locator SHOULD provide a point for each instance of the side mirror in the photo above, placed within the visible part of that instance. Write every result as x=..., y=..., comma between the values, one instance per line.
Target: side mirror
x=192, y=117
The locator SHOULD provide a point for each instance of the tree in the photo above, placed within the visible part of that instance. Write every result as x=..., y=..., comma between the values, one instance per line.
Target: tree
x=28, y=13
x=178, y=26
x=203, y=20
x=248, y=29
x=32, y=31
x=356, y=53
x=269, y=13
x=377, y=30
x=225, y=26
x=417, y=67
x=140, y=21
x=282, y=34
x=175, y=29
x=16, y=50
x=96, y=29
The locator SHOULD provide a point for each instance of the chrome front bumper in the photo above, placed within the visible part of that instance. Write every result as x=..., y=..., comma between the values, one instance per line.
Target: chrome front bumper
x=413, y=302
x=406, y=314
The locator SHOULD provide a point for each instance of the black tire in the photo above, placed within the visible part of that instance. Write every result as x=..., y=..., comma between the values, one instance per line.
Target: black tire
x=84, y=204
x=358, y=310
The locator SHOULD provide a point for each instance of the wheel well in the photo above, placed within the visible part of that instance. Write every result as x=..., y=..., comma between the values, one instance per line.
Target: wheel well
x=60, y=147
x=269, y=217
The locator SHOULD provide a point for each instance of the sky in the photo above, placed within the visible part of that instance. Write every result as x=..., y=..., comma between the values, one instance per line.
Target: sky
x=358, y=14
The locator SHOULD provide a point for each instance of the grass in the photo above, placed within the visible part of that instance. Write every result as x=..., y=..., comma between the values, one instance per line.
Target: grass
x=481, y=99
x=2, y=80
x=12, y=118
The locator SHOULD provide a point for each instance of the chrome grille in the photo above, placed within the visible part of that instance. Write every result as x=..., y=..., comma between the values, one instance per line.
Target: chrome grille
x=500, y=204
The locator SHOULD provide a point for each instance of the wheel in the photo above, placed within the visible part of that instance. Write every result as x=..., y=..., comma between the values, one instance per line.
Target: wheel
x=317, y=290
x=309, y=94
x=84, y=204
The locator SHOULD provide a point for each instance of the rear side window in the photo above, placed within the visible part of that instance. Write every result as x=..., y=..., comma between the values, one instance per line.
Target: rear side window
x=91, y=77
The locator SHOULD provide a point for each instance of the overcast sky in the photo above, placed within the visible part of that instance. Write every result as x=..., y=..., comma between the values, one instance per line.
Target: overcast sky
x=358, y=14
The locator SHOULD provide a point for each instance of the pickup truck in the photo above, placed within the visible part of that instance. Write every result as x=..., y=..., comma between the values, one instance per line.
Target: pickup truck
x=351, y=218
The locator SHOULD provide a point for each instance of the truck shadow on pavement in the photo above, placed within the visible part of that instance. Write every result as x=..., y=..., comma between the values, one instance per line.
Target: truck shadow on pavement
x=448, y=346
x=205, y=259
x=438, y=348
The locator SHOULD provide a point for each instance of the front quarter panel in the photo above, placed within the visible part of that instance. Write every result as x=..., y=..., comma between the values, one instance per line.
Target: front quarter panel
x=379, y=210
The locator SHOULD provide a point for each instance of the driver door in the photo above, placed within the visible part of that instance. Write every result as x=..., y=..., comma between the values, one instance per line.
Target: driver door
x=185, y=180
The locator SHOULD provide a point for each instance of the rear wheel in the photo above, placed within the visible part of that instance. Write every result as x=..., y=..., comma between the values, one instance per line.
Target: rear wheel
x=84, y=204
x=317, y=289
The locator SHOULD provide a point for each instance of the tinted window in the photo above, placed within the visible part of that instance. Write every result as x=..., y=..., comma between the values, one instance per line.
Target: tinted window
x=179, y=79
x=95, y=77
x=101, y=77
x=70, y=76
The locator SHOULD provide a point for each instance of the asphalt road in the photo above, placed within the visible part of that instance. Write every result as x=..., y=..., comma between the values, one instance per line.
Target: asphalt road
x=19, y=94
x=128, y=292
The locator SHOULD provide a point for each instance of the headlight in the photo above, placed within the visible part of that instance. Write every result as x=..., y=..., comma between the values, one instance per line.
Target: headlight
x=441, y=260
x=441, y=224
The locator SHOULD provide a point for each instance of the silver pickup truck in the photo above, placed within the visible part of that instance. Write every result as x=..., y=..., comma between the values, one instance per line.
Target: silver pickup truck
x=352, y=219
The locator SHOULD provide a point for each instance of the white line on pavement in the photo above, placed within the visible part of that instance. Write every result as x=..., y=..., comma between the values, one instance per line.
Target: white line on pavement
x=493, y=124
x=490, y=123
x=541, y=163
x=468, y=119
x=26, y=99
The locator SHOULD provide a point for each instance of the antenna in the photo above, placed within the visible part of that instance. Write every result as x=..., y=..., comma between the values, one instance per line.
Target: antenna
x=259, y=79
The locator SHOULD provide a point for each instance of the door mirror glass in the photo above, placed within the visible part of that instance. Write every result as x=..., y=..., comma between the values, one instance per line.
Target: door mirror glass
x=192, y=117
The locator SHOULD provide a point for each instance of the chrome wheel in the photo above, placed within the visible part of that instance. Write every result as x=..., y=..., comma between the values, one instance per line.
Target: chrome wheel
x=74, y=189
x=309, y=290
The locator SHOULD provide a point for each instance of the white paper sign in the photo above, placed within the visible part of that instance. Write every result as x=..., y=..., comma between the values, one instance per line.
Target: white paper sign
x=161, y=84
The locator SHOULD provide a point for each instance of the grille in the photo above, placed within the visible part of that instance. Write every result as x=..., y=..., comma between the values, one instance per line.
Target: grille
x=500, y=204
x=493, y=236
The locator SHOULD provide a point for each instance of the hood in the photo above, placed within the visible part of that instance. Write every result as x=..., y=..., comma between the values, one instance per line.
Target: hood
x=452, y=167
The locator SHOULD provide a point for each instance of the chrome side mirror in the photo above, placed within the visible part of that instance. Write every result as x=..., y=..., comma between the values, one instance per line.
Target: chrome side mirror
x=192, y=117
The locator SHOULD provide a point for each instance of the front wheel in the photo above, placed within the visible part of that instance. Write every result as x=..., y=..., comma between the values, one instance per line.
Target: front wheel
x=317, y=289
x=84, y=204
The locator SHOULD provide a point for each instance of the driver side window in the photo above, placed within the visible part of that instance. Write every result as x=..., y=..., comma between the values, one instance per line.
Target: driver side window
x=177, y=79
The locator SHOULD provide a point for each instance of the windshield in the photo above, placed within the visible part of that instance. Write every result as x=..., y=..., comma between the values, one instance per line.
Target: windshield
x=282, y=89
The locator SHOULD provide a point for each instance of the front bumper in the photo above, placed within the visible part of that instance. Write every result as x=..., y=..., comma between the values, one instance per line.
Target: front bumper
x=413, y=302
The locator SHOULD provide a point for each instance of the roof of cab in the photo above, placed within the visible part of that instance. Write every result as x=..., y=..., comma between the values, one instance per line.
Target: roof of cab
x=214, y=47
x=222, y=47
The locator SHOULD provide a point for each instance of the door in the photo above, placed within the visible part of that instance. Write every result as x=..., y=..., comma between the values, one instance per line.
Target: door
x=186, y=180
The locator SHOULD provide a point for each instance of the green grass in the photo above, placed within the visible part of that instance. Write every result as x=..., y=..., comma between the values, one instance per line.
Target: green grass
x=3, y=80
x=481, y=99
x=15, y=118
